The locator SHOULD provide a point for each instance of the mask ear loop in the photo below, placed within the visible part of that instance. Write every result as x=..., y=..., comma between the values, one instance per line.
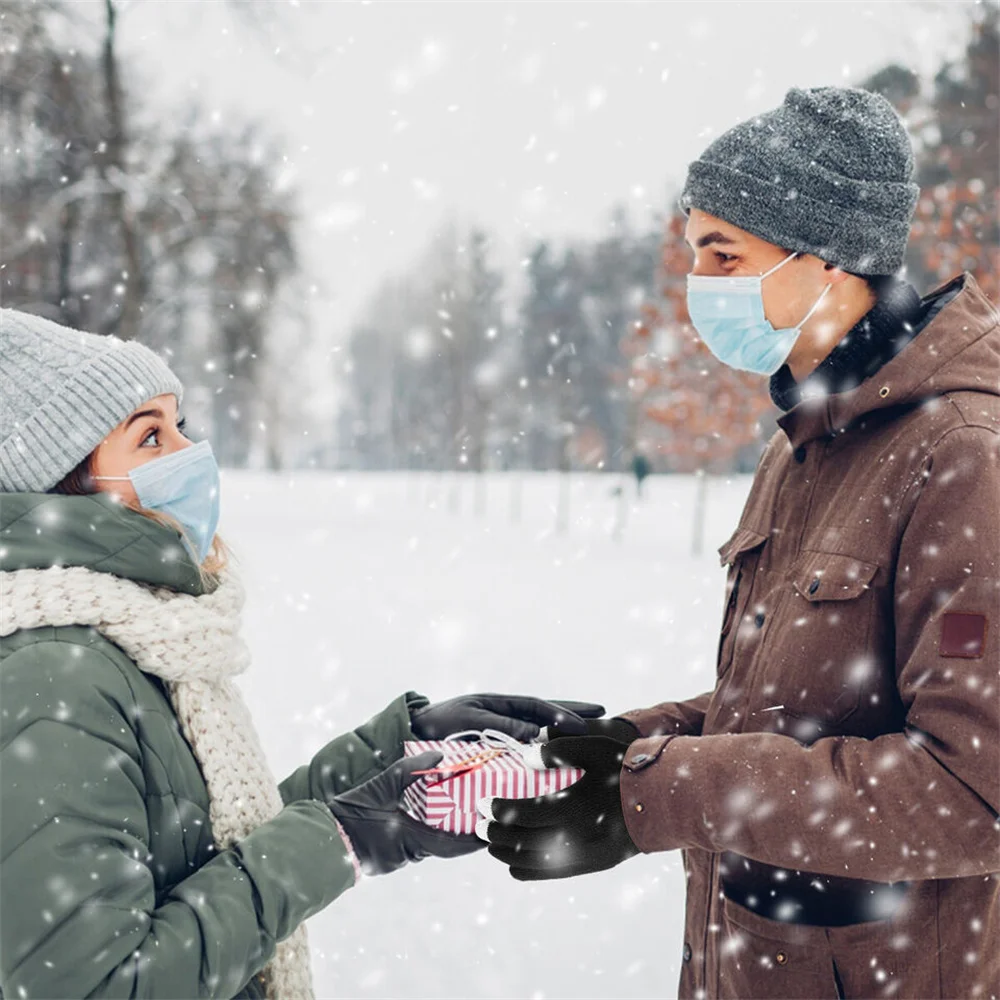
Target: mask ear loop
x=780, y=264
x=815, y=306
x=822, y=295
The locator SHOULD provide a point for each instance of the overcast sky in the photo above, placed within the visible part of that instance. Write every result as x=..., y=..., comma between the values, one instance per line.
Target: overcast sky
x=528, y=118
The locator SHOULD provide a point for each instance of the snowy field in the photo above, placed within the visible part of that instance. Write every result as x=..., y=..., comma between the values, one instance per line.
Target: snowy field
x=362, y=586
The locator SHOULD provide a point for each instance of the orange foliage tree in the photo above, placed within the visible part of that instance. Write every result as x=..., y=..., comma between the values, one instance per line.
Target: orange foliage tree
x=955, y=124
x=697, y=414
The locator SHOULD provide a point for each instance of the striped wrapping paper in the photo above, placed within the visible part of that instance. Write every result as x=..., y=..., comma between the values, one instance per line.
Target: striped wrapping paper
x=450, y=804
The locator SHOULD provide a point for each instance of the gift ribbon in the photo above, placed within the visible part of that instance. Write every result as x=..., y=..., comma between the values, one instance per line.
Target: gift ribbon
x=498, y=743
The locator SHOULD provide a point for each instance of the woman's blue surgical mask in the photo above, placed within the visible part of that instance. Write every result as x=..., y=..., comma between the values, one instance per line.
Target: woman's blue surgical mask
x=185, y=485
x=728, y=313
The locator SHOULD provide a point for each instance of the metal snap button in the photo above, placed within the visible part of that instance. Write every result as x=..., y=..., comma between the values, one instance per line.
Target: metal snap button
x=884, y=391
x=758, y=619
x=639, y=758
x=814, y=586
x=687, y=952
x=638, y=807
x=781, y=958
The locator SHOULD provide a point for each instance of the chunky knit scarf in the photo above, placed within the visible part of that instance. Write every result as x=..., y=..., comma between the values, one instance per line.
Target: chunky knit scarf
x=194, y=645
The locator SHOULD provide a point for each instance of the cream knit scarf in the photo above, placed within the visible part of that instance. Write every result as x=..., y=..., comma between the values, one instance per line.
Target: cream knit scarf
x=194, y=645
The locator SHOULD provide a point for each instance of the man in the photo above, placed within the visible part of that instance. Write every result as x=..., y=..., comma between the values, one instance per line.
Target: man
x=836, y=795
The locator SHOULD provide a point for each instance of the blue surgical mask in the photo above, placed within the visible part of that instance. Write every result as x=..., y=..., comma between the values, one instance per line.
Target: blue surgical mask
x=728, y=313
x=185, y=485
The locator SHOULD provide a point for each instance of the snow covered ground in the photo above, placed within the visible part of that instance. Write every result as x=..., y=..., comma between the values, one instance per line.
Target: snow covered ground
x=362, y=586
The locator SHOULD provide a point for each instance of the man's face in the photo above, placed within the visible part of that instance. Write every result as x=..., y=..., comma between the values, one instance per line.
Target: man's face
x=721, y=249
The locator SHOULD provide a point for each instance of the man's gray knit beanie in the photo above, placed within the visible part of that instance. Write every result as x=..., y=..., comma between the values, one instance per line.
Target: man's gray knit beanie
x=62, y=392
x=828, y=173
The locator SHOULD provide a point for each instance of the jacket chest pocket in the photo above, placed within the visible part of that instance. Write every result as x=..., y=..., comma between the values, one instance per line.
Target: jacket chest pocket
x=820, y=661
x=741, y=554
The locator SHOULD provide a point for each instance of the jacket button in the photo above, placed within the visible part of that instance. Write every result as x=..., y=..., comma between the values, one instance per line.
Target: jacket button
x=758, y=619
x=800, y=454
x=638, y=807
x=781, y=958
x=687, y=952
x=640, y=758
x=814, y=586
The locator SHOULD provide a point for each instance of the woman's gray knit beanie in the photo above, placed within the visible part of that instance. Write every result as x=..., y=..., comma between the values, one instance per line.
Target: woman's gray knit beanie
x=62, y=392
x=828, y=173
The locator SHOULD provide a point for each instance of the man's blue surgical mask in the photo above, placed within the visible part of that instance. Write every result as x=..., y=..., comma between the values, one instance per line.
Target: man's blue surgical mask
x=728, y=313
x=185, y=485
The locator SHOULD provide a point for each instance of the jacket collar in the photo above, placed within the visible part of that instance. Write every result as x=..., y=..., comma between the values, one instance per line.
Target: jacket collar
x=40, y=530
x=958, y=349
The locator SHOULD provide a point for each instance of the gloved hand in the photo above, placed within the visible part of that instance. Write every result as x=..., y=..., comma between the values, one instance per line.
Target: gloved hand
x=384, y=837
x=573, y=832
x=518, y=716
x=615, y=728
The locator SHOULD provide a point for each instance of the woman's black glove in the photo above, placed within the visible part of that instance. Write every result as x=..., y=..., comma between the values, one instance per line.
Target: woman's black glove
x=573, y=832
x=616, y=728
x=384, y=837
x=518, y=716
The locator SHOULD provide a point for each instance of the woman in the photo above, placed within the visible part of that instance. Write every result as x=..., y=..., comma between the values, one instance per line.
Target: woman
x=146, y=848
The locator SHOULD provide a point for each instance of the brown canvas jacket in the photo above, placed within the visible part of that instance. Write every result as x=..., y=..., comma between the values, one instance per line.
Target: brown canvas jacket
x=854, y=728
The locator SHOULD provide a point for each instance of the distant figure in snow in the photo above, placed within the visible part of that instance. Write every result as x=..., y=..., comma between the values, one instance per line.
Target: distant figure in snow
x=640, y=469
x=836, y=796
x=147, y=850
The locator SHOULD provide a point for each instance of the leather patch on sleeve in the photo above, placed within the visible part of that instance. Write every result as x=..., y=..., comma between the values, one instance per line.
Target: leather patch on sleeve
x=963, y=635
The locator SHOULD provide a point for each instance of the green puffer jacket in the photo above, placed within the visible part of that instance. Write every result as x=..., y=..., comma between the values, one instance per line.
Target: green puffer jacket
x=110, y=884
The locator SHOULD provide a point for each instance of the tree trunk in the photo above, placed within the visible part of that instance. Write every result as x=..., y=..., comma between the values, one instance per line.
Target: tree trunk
x=111, y=160
x=700, y=505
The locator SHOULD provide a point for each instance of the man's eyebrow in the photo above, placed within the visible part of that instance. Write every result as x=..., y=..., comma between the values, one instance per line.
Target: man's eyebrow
x=143, y=413
x=714, y=237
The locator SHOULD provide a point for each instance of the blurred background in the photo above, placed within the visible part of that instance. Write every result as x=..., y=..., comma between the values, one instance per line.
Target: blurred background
x=420, y=268
x=443, y=236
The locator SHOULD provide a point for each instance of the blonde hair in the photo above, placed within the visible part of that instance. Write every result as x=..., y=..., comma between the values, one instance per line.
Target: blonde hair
x=219, y=554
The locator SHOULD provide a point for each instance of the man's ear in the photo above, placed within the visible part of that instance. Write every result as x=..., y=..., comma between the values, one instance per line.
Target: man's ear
x=834, y=274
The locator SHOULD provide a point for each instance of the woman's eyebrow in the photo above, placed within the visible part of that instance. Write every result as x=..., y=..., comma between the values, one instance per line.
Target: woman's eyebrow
x=143, y=413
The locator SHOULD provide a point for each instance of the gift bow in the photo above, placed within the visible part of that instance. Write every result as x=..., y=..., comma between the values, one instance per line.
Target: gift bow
x=498, y=744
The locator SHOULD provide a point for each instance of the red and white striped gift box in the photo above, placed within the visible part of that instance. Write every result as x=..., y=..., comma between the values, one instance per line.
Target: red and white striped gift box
x=448, y=801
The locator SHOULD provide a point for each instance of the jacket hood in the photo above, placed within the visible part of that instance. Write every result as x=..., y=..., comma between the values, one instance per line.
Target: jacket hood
x=41, y=530
x=957, y=351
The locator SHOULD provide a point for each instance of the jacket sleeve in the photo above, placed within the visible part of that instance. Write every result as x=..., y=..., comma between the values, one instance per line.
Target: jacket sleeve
x=676, y=718
x=353, y=758
x=79, y=913
x=918, y=804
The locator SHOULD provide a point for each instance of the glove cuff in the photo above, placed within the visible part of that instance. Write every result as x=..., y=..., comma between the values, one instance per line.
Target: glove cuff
x=414, y=703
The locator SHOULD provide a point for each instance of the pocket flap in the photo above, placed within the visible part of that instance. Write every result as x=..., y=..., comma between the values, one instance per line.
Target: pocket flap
x=743, y=540
x=823, y=576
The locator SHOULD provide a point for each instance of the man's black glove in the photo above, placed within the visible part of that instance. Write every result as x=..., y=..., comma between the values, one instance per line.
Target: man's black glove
x=578, y=830
x=616, y=728
x=384, y=837
x=518, y=716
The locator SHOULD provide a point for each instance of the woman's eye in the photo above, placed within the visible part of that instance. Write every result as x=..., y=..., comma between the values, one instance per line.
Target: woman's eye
x=151, y=436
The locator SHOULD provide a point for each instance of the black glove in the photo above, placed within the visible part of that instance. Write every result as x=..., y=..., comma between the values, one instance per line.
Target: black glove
x=383, y=836
x=615, y=728
x=517, y=716
x=578, y=830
